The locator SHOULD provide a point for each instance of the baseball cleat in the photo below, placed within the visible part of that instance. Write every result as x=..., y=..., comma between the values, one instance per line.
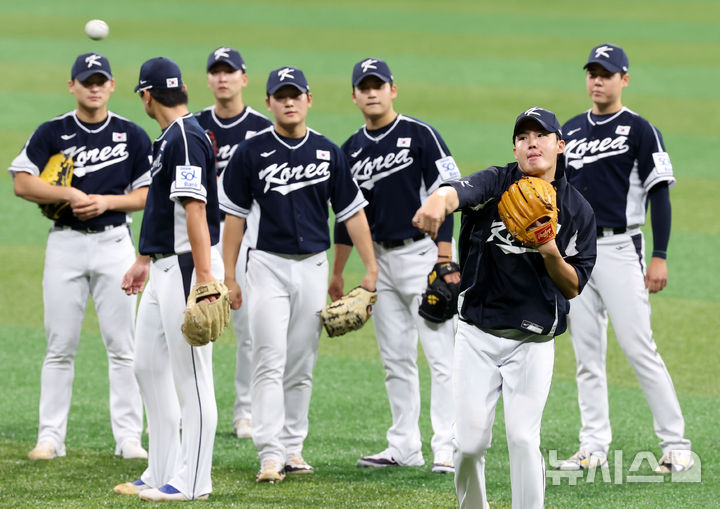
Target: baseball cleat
x=582, y=460
x=270, y=472
x=167, y=493
x=387, y=459
x=295, y=464
x=132, y=450
x=243, y=428
x=43, y=451
x=443, y=463
x=131, y=488
x=675, y=461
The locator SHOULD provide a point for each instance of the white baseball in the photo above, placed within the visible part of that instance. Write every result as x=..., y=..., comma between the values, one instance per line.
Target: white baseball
x=97, y=29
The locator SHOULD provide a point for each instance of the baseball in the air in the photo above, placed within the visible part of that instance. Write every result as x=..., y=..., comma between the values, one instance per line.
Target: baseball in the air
x=97, y=29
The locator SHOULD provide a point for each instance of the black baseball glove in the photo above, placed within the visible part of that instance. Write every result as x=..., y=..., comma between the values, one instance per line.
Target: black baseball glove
x=439, y=301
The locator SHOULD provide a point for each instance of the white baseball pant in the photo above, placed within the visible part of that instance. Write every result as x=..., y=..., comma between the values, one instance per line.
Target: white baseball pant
x=617, y=288
x=78, y=265
x=401, y=281
x=485, y=367
x=285, y=293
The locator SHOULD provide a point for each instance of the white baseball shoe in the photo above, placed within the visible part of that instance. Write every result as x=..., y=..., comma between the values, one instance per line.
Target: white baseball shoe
x=131, y=488
x=167, y=493
x=270, y=472
x=295, y=464
x=243, y=428
x=443, y=463
x=132, y=450
x=675, y=461
x=582, y=460
x=43, y=451
x=386, y=458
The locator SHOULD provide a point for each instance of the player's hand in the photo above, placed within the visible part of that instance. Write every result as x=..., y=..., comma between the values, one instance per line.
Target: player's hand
x=369, y=282
x=235, y=293
x=204, y=277
x=335, y=289
x=453, y=277
x=75, y=196
x=134, y=279
x=657, y=276
x=92, y=206
x=430, y=216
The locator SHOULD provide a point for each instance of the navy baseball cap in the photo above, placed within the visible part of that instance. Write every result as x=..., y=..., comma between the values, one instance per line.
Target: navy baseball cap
x=88, y=64
x=545, y=118
x=286, y=76
x=610, y=56
x=371, y=67
x=159, y=73
x=230, y=56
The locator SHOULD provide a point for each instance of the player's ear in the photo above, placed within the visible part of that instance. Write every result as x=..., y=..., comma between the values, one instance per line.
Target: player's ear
x=112, y=85
x=625, y=80
x=309, y=95
x=561, y=145
x=393, y=91
x=267, y=102
x=244, y=79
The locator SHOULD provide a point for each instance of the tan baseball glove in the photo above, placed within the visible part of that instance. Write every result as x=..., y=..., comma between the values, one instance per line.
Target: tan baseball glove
x=526, y=202
x=349, y=312
x=58, y=171
x=205, y=320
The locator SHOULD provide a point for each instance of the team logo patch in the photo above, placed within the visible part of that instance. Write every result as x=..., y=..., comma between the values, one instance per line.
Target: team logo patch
x=323, y=155
x=403, y=142
x=623, y=130
x=447, y=168
x=188, y=177
x=119, y=137
x=250, y=134
x=662, y=163
x=171, y=83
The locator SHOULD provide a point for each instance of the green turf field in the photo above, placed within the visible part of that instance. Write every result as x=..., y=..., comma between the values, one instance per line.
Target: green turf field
x=468, y=68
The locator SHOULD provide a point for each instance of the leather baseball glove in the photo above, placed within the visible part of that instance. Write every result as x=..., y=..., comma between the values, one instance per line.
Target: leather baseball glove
x=205, y=320
x=58, y=171
x=439, y=301
x=349, y=312
x=526, y=202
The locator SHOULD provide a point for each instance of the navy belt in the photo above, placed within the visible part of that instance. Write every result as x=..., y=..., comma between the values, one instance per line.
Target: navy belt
x=159, y=256
x=607, y=232
x=392, y=244
x=88, y=228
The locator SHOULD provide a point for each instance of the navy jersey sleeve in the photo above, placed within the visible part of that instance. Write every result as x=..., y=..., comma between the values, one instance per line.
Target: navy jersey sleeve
x=477, y=190
x=142, y=158
x=581, y=251
x=654, y=164
x=234, y=188
x=36, y=152
x=187, y=160
x=346, y=198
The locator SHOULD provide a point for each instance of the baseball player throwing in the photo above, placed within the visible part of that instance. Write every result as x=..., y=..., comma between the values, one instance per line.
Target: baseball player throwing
x=180, y=224
x=617, y=160
x=231, y=122
x=397, y=161
x=515, y=299
x=279, y=182
x=89, y=247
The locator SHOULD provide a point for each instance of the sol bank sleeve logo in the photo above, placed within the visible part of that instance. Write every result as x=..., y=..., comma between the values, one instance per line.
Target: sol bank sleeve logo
x=188, y=177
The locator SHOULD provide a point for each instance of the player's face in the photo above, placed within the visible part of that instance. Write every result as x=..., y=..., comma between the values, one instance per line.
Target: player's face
x=93, y=93
x=536, y=151
x=289, y=107
x=374, y=97
x=605, y=87
x=226, y=82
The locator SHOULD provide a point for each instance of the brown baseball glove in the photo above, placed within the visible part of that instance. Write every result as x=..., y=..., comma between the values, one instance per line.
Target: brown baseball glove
x=205, y=320
x=349, y=312
x=529, y=211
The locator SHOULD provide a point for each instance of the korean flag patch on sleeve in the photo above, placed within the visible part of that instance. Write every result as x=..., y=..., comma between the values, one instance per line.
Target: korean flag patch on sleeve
x=447, y=168
x=188, y=177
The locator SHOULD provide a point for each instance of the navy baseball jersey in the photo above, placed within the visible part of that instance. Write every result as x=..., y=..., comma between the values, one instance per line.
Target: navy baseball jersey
x=614, y=160
x=287, y=183
x=110, y=157
x=505, y=283
x=229, y=132
x=183, y=167
x=397, y=167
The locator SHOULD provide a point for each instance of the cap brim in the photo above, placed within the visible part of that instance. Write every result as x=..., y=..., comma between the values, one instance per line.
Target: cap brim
x=82, y=76
x=383, y=77
x=604, y=64
x=539, y=122
x=280, y=85
x=228, y=62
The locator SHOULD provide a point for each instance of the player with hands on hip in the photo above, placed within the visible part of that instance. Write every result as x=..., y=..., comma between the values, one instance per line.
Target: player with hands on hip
x=515, y=295
x=279, y=183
